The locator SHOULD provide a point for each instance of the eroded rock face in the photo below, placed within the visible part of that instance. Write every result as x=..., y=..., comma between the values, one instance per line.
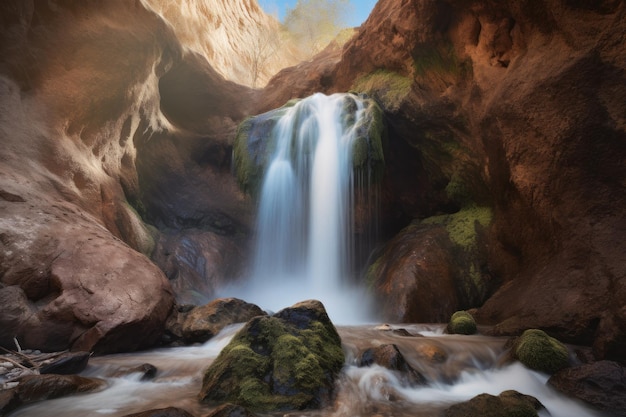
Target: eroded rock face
x=513, y=108
x=67, y=169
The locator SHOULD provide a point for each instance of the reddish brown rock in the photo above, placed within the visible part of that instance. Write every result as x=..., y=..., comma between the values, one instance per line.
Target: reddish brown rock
x=600, y=384
x=390, y=357
x=33, y=388
x=421, y=276
x=68, y=154
x=516, y=108
x=202, y=323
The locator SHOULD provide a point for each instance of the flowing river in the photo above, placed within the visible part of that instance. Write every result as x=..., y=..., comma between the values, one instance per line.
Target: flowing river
x=457, y=368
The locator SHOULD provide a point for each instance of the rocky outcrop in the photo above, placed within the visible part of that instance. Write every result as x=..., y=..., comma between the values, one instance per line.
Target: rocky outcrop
x=507, y=404
x=390, y=357
x=510, y=108
x=285, y=362
x=71, y=106
x=243, y=44
x=600, y=384
x=204, y=322
x=33, y=388
x=110, y=132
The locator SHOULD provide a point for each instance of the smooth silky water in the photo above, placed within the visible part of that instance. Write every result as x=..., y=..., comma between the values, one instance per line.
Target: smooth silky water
x=303, y=251
x=465, y=367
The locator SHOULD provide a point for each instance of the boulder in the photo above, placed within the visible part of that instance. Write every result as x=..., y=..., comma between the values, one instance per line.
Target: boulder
x=422, y=275
x=285, y=362
x=146, y=371
x=67, y=364
x=202, y=323
x=507, y=404
x=461, y=322
x=390, y=357
x=33, y=388
x=600, y=384
x=538, y=351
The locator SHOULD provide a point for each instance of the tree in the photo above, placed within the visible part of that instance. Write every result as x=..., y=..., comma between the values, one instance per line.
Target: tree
x=314, y=23
x=265, y=45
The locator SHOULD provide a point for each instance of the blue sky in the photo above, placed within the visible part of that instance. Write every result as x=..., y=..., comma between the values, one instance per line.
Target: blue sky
x=360, y=9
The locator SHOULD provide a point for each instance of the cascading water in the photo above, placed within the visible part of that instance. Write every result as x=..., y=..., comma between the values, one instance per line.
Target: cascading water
x=305, y=227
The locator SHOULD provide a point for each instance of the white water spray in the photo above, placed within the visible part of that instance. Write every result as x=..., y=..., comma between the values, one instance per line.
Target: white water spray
x=304, y=243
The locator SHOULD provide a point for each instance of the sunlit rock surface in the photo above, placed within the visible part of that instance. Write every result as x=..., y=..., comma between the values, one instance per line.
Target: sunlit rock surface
x=233, y=36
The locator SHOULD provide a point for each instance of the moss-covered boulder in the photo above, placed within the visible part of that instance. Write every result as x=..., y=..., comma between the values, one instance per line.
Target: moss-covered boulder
x=538, y=351
x=285, y=362
x=257, y=137
x=507, y=404
x=461, y=322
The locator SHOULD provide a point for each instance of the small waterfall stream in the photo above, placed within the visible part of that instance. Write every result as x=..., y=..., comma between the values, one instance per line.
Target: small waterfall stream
x=304, y=244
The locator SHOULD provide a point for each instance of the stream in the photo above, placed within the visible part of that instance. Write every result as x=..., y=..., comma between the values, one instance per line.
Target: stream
x=457, y=368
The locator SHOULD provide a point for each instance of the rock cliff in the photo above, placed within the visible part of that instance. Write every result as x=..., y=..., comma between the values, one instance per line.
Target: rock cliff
x=110, y=128
x=507, y=133
x=241, y=42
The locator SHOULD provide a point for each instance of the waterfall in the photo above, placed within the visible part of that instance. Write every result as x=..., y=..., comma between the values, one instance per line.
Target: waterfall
x=305, y=226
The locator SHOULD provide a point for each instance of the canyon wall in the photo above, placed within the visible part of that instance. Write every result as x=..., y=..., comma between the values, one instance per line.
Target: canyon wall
x=505, y=182
x=504, y=189
x=115, y=149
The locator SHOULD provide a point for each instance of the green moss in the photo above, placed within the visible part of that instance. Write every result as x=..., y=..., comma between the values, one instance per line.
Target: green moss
x=538, y=351
x=271, y=364
x=367, y=148
x=461, y=226
x=457, y=191
x=462, y=322
x=389, y=87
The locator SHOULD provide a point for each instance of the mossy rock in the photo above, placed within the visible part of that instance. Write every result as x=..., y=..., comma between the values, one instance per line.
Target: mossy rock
x=389, y=87
x=538, y=351
x=256, y=139
x=507, y=404
x=285, y=362
x=461, y=322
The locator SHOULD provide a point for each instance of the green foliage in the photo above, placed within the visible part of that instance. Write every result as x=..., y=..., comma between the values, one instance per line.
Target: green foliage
x=389, y=87
x=462, y=322
x=313, y=24
x=538, y=351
